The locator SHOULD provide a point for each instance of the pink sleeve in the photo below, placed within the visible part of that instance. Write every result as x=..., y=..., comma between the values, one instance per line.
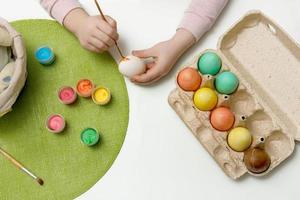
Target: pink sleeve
x=58, y=9
x=201, y=15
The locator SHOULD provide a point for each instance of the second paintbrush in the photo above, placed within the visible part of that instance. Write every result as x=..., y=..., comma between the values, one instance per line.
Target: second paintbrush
x=20, y=166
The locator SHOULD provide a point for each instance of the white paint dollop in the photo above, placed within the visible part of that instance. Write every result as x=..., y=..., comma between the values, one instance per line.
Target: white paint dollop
x=131, y=66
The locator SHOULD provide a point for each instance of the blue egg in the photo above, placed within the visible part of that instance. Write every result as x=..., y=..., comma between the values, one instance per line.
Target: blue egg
x=44, y=55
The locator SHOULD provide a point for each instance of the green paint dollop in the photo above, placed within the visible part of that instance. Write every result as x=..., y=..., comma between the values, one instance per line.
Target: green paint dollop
x=90, y=136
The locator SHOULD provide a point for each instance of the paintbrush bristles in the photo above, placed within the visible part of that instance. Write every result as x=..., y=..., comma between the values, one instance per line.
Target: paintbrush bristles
x=40, y=181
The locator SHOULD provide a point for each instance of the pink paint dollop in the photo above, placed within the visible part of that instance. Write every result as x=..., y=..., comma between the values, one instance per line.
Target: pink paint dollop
x=67, y=95
x=56, y=123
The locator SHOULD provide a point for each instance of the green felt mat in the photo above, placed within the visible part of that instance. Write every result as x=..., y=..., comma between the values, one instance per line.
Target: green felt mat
x=67, y=166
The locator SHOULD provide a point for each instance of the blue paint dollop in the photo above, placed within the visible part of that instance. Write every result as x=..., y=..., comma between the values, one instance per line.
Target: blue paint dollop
x=45, y=55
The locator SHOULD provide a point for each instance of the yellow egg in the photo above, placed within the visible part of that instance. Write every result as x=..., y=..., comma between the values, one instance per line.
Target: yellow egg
x=239, y=139
x=205, y=99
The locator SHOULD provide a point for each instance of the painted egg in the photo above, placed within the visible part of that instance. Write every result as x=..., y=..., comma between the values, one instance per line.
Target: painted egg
x=257, y=160
x=209, y=63
x=239, y=139
x=205, y=99
x=222, y=119
x=131, y=66
x=226, y=82
x=189, y=79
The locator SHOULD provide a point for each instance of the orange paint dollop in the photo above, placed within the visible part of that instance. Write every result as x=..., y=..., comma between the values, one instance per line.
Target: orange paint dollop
x=189, y=79
x=85, y=87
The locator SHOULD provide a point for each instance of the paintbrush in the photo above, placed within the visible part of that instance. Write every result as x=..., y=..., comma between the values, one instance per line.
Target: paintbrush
x=101, y=13
x=20, y=166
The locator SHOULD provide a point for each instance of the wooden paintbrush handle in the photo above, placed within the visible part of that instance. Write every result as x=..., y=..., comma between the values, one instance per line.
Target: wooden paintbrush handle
x=101, y=13
x=20, y=166
x=12, y=159
x=99, y=9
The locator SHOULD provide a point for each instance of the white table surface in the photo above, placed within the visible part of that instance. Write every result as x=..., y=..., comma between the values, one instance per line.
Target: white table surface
x=160, y=158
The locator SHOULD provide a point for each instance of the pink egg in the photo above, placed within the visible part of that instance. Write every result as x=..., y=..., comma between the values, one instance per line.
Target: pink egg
x=189, y=79
x=56, y=123
x=222, y=119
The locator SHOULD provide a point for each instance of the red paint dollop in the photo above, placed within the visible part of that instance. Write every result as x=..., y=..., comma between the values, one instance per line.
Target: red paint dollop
x=67, y=95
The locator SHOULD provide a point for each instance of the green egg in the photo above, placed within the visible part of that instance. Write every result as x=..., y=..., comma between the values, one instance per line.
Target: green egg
x=209, y=63
x=226, y=82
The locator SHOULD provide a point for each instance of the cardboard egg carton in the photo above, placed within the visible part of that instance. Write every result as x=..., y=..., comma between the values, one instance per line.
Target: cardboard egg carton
x=267, y=102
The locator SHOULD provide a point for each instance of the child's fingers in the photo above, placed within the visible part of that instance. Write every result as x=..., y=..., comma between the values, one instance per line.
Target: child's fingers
x=103, y=37
x=107, y=29
x=150, y=65
x=146, y=53
x=93, y=48
x=98, y=44
x=153, y=81
x=148, y=77
x=111, y=21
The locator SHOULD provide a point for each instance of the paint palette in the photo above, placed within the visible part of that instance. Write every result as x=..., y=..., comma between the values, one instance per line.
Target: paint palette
x=67, y=95
x=266, y=111
x=84, y=88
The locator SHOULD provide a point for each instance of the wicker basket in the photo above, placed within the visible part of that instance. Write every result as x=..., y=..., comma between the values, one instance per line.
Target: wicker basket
x=12, y=40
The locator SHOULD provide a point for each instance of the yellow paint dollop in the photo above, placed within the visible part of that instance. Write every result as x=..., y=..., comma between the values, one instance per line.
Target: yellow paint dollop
x=101, y=95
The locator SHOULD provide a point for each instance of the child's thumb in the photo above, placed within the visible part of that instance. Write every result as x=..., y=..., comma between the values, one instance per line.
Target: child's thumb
x=143, y=53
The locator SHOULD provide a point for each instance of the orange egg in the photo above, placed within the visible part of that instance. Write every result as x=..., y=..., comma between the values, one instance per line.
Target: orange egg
x=222, y=119
x=189, y=79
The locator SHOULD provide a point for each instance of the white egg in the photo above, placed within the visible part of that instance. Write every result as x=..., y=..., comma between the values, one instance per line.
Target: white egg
x=131, y=66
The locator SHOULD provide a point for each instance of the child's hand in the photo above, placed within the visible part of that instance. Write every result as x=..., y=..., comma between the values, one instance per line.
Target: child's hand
x=164, y=60
x=166, y=54
x=93, y=32
x=97, y=35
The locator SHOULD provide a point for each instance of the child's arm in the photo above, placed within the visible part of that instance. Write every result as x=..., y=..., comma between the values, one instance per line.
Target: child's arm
x=94, y=33
x=198, y=19
x=201, y=15
x=58, y=9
